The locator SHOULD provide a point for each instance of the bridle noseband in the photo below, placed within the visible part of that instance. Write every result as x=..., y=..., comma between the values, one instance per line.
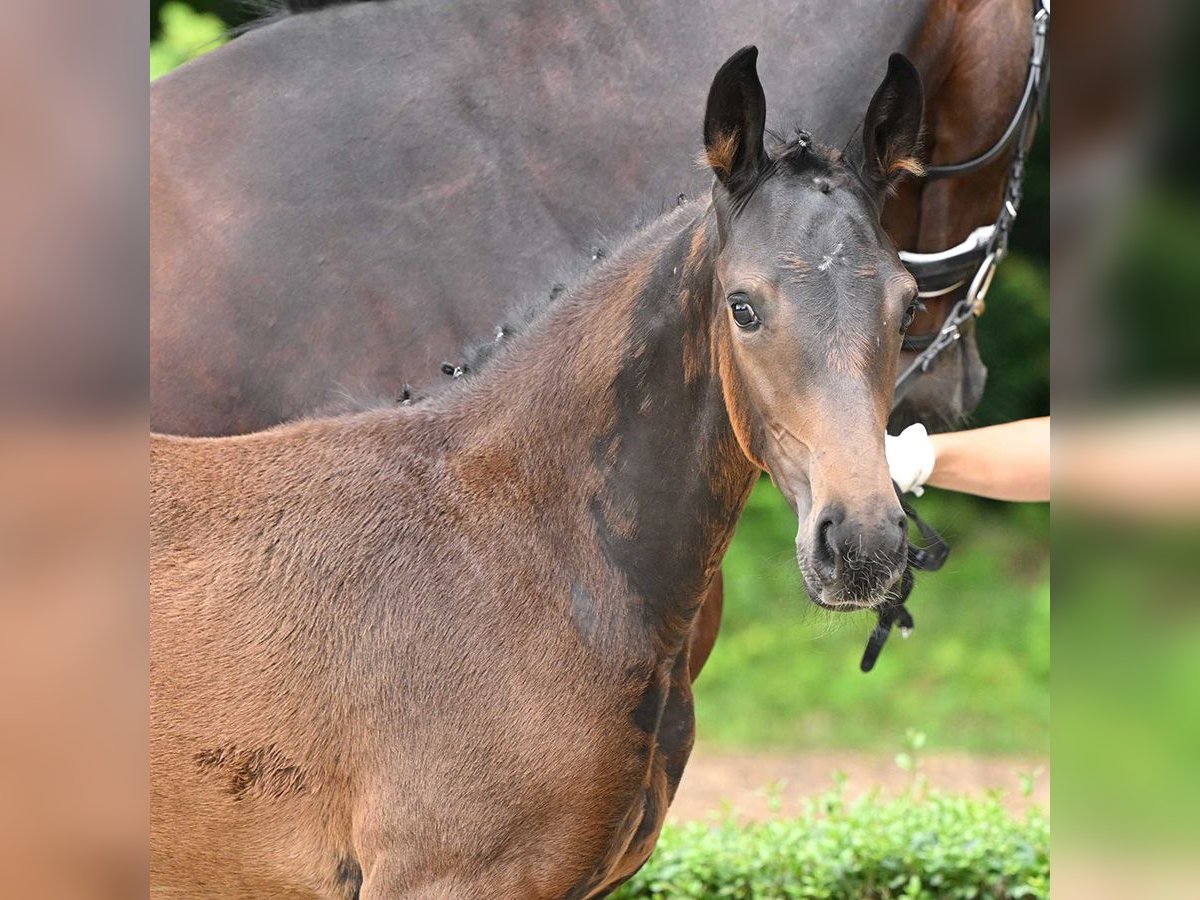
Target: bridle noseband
x=974, y=261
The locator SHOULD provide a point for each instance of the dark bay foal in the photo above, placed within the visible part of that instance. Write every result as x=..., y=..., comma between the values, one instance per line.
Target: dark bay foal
x=440, y=650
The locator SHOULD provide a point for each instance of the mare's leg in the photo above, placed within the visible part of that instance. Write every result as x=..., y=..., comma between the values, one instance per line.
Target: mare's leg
x=704, y=629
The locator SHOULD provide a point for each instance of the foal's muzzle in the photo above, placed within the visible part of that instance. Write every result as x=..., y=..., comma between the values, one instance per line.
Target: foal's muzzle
x=852, y=562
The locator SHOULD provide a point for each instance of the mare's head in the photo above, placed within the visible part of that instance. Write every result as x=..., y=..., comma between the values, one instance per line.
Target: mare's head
x=814, y=302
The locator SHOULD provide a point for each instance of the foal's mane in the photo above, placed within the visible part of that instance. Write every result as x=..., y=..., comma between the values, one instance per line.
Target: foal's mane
x=477, y=356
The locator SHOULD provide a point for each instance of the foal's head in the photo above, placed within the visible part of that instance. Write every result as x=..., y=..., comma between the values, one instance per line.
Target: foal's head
x=816, y=302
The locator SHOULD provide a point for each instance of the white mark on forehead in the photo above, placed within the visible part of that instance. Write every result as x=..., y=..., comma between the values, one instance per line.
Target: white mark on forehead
x=827, y=262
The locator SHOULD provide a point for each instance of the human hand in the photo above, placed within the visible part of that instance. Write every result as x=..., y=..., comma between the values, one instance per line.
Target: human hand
x=910, y=458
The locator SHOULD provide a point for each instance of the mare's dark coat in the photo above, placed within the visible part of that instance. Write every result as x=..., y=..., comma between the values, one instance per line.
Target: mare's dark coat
x=344, y=197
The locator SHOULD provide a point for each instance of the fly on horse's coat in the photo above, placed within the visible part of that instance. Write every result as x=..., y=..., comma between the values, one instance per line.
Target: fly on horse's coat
x=440, y=649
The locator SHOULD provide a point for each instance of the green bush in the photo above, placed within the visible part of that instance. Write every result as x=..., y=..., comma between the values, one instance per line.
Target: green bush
x=937, y=846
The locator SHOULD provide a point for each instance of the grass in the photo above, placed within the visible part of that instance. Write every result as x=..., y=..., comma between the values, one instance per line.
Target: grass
x=974, y=675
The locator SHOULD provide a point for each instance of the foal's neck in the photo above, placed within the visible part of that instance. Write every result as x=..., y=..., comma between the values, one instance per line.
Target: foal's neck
x=613, y=401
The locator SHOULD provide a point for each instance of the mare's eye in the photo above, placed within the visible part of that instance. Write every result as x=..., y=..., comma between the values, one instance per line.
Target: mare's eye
x=910, y=314
x=743, y=312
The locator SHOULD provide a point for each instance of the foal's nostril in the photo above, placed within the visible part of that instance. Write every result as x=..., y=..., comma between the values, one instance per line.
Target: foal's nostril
x=828, y=543
x=828, y=553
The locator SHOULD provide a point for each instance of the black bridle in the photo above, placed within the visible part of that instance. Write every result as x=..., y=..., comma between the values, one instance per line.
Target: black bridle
x=973, y=263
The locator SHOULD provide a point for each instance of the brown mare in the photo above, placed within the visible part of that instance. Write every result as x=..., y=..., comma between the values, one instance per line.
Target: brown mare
x=306, y=241
x=440, y=650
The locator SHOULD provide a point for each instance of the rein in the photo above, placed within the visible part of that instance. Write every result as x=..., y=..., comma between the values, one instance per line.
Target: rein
x=974, y=261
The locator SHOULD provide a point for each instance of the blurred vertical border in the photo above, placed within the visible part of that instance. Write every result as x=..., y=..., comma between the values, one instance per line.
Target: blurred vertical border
x=73, y=474
x=1126, y=284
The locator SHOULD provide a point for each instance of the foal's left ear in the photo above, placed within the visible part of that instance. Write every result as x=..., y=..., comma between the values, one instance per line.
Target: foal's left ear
x=735, y=119
x=892, y=128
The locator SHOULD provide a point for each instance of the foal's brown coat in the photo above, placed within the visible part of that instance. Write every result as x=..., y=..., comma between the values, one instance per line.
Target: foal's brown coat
x=344, y=608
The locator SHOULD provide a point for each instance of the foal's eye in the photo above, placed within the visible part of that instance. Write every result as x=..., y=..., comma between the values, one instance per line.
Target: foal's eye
x=910, y=314
x=743, y=312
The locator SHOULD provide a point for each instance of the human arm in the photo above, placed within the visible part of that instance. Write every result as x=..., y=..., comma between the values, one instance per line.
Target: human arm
x=1006, y=462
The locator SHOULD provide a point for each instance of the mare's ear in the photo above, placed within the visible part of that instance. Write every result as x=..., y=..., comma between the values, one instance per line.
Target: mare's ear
x=734, y=121
x=892, y=129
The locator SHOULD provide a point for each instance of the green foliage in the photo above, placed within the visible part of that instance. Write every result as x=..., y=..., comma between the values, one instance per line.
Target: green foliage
x=1149, y=297
x=932, y=846
x=185, y=34
x=1014, y=341
x=975, y=675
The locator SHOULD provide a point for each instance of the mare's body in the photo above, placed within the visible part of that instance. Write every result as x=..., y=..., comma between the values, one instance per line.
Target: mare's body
x=342, y=198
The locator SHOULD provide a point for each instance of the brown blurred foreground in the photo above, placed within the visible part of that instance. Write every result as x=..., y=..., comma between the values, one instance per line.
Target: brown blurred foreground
x=73, y=660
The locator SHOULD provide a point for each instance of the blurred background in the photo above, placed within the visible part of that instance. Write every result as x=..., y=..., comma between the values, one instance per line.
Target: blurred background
x=781, y=699
x=1126, y=245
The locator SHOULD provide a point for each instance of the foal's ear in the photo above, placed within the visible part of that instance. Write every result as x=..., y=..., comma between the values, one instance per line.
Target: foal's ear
x=734, y=120
x=892, y=128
